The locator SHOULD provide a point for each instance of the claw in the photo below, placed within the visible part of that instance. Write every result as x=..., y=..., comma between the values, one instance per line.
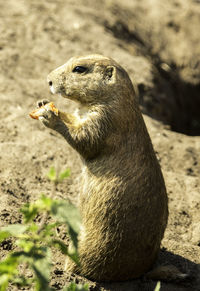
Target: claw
x=39, y=104
x=45, y=102
x=42, y=103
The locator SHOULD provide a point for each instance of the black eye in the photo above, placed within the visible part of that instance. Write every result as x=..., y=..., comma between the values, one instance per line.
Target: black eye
x=79, y=69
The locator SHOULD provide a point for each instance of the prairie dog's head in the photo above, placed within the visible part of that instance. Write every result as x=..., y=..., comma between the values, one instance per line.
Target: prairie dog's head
x=89, y=80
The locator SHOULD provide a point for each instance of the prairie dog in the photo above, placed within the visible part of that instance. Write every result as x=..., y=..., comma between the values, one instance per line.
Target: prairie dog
x=123, y=202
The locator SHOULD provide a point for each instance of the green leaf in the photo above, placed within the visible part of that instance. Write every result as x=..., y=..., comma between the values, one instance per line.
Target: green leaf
x=44, y=202
x=73, y=235
x=4, y=235
x=41, y=282
x=9, y=265
x=33, y=227
x=12, y=230
x=64, y=174
x=29, y=211
x=71, y=252
x=74, y=287
x=67, y=213
x=61, y=245
x=49, y=230
x=42, y=268
x=29, y=257
x=52, y=174
x=26, y=245
x=22, y=281
x=157, y=286
x=4, y=280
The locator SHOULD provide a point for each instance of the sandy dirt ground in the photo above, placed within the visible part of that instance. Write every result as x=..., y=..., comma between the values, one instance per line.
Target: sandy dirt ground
x=158, y=44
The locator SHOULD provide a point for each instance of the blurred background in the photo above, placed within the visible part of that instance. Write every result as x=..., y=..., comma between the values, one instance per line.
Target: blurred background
x=158, y=43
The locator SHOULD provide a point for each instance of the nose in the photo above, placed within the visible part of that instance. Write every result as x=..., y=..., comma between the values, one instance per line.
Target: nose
x=50, y=83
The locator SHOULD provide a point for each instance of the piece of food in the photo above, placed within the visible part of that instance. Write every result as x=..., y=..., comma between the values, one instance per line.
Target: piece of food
x=35, y=114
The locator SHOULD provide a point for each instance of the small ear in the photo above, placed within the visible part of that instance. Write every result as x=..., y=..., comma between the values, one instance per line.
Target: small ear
x=110, y=74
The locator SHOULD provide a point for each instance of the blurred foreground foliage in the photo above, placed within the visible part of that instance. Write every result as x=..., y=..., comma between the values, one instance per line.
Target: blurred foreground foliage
x=34, y=241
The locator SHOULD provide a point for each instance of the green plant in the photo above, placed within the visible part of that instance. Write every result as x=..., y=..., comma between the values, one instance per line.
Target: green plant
x=158, y=285
x=35, y=241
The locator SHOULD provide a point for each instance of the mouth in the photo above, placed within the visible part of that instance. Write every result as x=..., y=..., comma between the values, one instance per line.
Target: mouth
x=52, y=90
x=59, y=91
x=73, y=105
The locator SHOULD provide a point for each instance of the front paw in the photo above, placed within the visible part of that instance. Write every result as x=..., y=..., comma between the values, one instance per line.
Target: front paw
x=47, y=113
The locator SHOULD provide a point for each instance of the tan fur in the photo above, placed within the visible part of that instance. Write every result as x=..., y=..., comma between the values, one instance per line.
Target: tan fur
x=123, y=202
